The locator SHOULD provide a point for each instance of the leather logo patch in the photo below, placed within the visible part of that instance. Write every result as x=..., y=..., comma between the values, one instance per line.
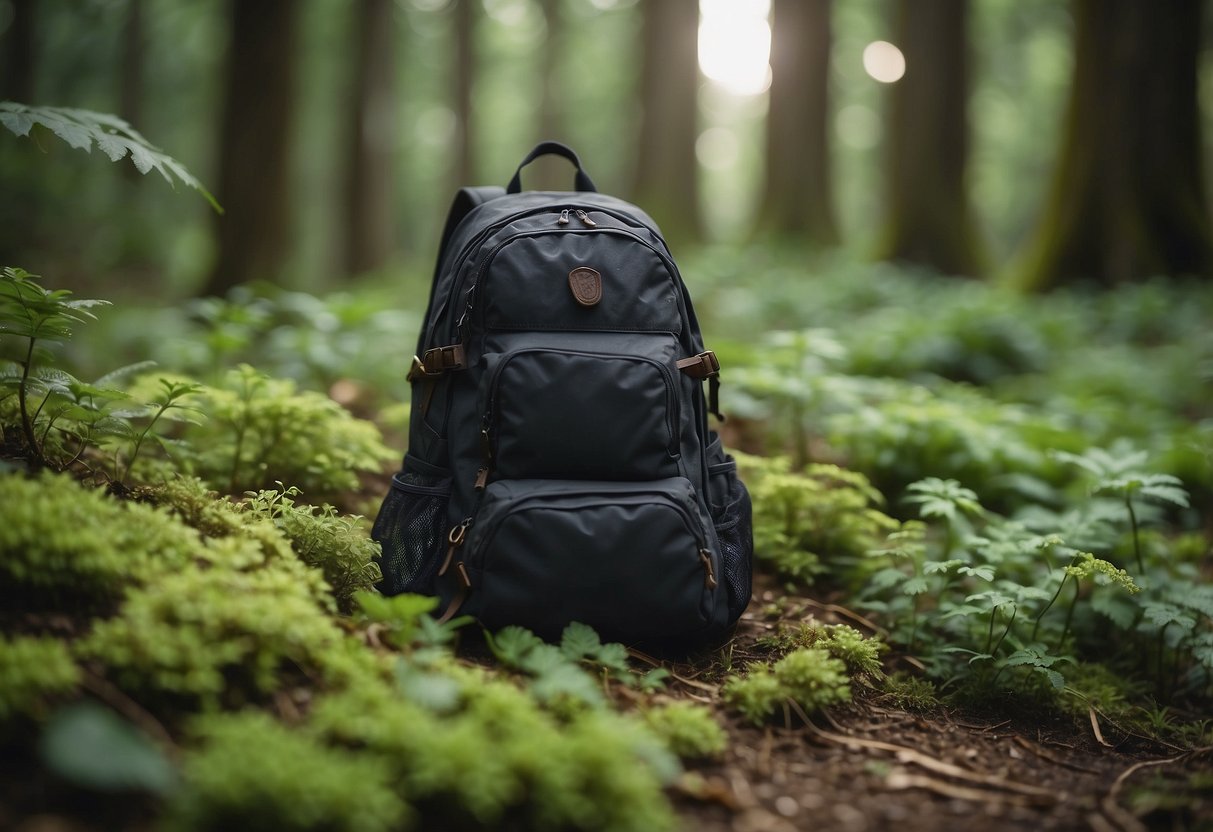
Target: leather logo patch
x=586, y=284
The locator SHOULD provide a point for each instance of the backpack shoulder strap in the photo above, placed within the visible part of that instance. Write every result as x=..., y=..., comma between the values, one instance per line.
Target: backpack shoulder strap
x=465, y=200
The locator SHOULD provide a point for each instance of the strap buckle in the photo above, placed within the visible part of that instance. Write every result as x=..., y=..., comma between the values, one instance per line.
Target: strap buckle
x=704, y=365
x=437, y=361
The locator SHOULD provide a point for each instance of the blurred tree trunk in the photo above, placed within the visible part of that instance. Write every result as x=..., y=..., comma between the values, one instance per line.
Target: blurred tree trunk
x=18, y=51
x=464, y=171
x=254, y=145
x=667, y=173
x=372, y=144
x=550, y=173
x=798, y=198
x=130, y=71
x=928, y=217
x=1127, y=198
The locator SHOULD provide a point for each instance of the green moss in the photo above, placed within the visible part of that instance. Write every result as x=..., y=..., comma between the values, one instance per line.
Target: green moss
x=31, y=671
x=809, y=676
x=251, y=773
x=689, y=730
x=860, y=653
x=491, y=752
x=59, y=536
x=212, y=632
x=909, y=692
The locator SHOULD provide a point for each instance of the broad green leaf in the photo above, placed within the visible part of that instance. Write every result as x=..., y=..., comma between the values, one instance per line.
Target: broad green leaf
x=579, y=641
x=88, y=745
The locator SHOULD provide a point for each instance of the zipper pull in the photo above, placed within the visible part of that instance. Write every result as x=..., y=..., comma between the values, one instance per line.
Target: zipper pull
x=455, y=539
x=585, y=218
x=482, y=478
x=564, y=217
x=709, y=578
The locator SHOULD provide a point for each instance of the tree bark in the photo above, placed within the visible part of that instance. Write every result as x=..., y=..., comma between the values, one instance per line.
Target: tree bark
x=929, y=220
x=254, y=145
x=19, y=53
x=371, y=165
x=1127, y=195
x=464, y=163
x=798, y=198
x=666, y=173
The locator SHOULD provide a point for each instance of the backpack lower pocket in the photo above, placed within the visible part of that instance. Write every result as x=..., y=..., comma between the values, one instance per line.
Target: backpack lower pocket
x=411, y=528
x=632, y=560
x=732, y=518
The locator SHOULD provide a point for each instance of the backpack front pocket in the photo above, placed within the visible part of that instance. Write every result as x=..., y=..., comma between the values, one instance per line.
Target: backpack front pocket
x=629, y=559
x=576, y=414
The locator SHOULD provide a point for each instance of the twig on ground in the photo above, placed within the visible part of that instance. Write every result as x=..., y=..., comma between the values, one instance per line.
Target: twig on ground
x=1045, y=754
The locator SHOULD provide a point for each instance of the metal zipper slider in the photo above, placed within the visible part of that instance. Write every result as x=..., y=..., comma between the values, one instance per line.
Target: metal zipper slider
x=585, y=218
x=455, y=539
x=482, y=478
x=709, y=578
x=564, y=217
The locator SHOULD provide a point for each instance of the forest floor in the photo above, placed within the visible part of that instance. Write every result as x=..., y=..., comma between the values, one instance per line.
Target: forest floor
x=875, y=766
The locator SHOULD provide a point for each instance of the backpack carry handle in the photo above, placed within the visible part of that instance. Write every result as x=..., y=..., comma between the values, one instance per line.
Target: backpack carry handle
x=581, y=181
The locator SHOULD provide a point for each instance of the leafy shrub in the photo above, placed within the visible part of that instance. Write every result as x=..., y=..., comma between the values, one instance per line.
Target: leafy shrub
x=31, y=671
x=804, y=523
x=253, y=773
x=337, y=545
x=261, y=431
x=808, y=676
x=689, y=730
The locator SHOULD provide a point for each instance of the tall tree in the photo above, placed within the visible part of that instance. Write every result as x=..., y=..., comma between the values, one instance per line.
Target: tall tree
x=1127, y=195
x=371, y=164
x=254, y=147
x=464, y=162
x=929, y=219
x=667, y=173
x=798, y=198
x=18, y=54
x=130, y=70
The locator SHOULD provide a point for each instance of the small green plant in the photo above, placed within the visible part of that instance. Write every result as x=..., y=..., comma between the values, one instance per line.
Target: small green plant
x=687, y=729
x=337, y=545
x=808, y=676
x=860, y=654
x=34, y=314
x=807, y=522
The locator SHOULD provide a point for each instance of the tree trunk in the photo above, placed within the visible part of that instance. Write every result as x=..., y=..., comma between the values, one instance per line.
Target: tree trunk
x=464, y=167
x=255, y=143
x=551, y=174
x=370, y=177
x=1127, y=196
x=667, y=173
x=18, y=53
x=929, y=220
x=798, y=200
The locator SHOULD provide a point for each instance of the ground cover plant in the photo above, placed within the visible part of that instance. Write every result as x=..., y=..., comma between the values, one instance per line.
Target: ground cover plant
x=173, y=589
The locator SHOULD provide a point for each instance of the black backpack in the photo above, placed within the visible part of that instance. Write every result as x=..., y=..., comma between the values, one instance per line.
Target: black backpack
x=560, y=467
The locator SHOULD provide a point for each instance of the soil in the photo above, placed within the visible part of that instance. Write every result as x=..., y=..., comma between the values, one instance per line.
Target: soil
x=873, y=766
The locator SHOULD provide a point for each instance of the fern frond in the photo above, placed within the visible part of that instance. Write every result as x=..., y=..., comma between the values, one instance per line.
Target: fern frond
x=114, y=137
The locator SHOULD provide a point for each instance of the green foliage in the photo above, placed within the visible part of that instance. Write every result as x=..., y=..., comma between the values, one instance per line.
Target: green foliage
x=61, y=537
x=218, y=634
x=689, y=730
x=337, y=545
x=804, y=523
x=808, y=676
x=261, y=431
x=284, y=780
x=401, y=616
x=493, y=752
x=860, y=654
x=32, y=313
x=908, y=692
x=32, y=671
x=113, y=137
x=90, y=746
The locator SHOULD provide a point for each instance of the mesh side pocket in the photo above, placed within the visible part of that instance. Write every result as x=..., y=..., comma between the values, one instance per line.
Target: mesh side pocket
x=411, y=530
x=734, y=522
